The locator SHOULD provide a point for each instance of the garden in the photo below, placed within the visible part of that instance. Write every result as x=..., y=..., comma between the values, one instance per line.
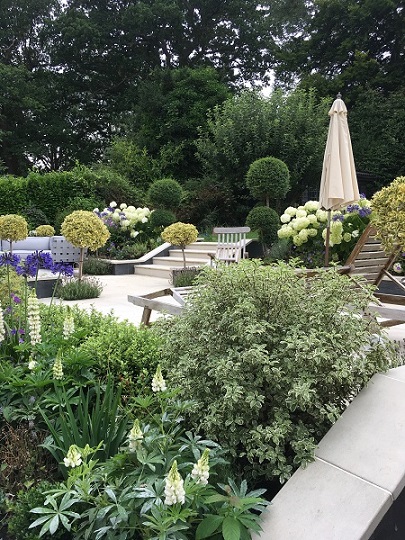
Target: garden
x=107, y=430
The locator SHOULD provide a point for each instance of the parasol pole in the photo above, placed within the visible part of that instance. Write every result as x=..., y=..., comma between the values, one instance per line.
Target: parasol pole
x=327, y=239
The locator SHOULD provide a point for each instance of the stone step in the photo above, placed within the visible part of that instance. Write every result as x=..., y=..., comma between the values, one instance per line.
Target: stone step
x=178, y=261
x=155, y=270
x=203, y=246
x=202, y=255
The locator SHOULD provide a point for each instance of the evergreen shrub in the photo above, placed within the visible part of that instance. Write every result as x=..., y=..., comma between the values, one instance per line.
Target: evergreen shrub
x=265, y=221
x=165, y=193
x=272, y=360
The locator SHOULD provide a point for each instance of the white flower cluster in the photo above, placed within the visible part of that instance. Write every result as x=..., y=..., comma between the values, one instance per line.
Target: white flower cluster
x=57, y=368
x=68, y=326
x=73, y=457
x=201, y=470
x=174, y=487
x=2, y=326
x=302, y=223
x=34, y=320
x=135, y=437
x=158, y=382
x=125, y=217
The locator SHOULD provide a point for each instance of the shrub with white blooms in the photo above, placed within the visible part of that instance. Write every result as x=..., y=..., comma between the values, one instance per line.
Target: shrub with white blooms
x=126, y=218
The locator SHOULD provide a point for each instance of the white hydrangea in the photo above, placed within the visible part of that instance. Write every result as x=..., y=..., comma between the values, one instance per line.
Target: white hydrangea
x=311, y=206
x=285, y=218
x=291, y=211
x=322, y=216
x=301, y=212
x=312, y=219
x=113, y=204
x=285, y=232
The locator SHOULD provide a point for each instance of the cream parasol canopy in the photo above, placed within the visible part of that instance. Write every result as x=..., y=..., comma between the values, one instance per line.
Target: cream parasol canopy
x=339, y=180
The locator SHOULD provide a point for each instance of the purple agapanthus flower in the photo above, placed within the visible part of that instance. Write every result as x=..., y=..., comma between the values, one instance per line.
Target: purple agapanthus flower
x=9, y=259
x=353, y=208
x=16, y=299
x=63, y=269
x=364, y=212
x=338, y=217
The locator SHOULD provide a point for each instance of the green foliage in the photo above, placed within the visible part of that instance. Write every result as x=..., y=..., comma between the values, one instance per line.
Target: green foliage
x=96, y=420
x=171, y=106
x=79, y=289
x=133, y=163
x=184, y=277
x=159, y=486
x=51, y=192
x=388, y=216
x=34, y=217
x=291, y=127
x=162, y=218
x=280, y=358
x=129, y=354
x=265, y=221
x=96, y=267
x=13, y=195
x=268, y=178
x=20, y=517
x=165, y=193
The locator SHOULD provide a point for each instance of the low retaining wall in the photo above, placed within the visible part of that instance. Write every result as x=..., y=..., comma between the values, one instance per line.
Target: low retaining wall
x=349, y=491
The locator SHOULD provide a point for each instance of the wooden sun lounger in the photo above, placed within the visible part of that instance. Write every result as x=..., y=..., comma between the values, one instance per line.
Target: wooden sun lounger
x=154, y=301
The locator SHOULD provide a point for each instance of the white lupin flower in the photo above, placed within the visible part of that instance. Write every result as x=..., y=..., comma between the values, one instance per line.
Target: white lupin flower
x=34, y=320
x=2, y=327
x=158, y=382
x=135, y=437
x=73, y=457
x=57, y=368
x=68, y=326
x=200, y=472
x=174, y=488
x=32, y=364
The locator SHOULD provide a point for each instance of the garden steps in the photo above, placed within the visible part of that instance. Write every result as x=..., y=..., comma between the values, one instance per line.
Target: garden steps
x=197, y=254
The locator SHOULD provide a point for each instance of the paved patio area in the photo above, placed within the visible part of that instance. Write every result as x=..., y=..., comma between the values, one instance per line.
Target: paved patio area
x=114, y=296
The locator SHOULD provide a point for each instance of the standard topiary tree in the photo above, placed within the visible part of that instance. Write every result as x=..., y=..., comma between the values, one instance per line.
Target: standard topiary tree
x=266, y=222
x=165, y=193
x=84, y=229
x=268, y=178
x=13, y=228
x=180, y=234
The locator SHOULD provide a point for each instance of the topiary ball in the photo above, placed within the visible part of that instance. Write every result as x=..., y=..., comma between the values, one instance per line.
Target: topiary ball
x=268, y=176
x=84, y=229
x=13, y=227
x=266, y=222
x=165, y=193
x=180, y=234
x=45, y=230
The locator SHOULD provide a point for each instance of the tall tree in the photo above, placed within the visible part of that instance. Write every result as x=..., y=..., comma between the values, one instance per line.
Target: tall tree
x=291, y=127
x=349, y=43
